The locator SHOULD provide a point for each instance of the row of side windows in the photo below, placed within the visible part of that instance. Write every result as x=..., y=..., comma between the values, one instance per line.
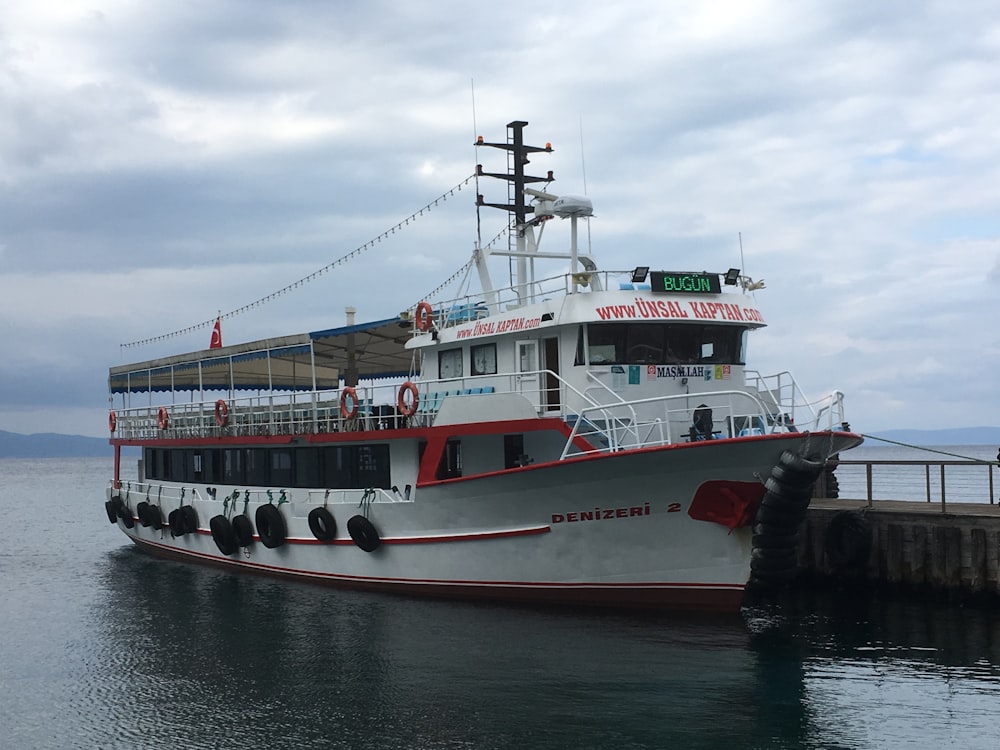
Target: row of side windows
x=342, y=467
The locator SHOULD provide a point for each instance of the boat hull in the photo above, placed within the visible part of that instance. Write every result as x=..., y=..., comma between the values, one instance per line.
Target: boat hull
x=608, y=530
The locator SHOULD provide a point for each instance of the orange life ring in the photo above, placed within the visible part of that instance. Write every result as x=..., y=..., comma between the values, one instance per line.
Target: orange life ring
x=163, y=418
x=221, y=413
x=408, y=410
x=424, y=316
x=349, y=393
x=112, y=420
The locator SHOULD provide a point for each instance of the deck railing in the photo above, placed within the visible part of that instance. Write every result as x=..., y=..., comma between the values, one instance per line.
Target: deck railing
x=930, y=481
x=599, y=415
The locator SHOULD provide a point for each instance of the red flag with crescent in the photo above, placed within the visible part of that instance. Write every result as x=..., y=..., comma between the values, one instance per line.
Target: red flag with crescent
x=216, y=335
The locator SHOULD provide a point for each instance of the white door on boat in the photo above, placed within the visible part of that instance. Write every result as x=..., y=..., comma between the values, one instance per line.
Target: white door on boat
x=527, y=377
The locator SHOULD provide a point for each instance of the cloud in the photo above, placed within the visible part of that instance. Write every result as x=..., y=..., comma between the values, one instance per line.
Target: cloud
x=161, y=162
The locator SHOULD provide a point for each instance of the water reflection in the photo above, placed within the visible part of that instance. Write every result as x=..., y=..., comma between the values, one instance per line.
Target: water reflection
x=226, y=661
x=880, y=671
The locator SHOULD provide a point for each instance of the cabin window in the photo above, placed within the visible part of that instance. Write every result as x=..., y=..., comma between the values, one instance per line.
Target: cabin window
x=451, y=461
x=281, y=467
x=176, y=465
x=337, y=467
x=513, y=451
x=196, y=468
x=663, y=344
x=450, y=364
x=256, y=466
x=305, y=468
x=373, y=466
x=232, y=466
x=483, y=359
x=607, y=344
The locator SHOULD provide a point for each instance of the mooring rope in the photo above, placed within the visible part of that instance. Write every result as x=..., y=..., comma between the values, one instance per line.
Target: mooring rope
x=311, y=277
x=931, y=450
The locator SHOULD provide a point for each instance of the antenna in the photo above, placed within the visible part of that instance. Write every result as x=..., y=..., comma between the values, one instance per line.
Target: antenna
x=583, y=167
x=475, y=134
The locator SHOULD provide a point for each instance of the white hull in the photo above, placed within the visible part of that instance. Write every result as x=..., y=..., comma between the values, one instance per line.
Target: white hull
x=609, y=529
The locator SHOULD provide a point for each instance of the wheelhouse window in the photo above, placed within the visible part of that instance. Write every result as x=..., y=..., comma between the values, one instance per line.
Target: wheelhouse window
x=450, y=364
x=483, y=359
x=662, y=344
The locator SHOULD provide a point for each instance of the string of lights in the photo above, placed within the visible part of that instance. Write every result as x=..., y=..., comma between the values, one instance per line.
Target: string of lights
x=311, y=277
x=454, y=277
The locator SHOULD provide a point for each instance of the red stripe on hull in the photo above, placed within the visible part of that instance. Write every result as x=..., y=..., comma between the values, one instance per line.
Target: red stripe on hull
x=475, y=536
x=708, y=597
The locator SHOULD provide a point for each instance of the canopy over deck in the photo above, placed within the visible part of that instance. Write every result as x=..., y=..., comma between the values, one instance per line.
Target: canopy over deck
x=299, y=362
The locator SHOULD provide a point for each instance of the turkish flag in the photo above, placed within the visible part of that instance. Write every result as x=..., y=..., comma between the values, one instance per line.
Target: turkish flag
x=216, y=335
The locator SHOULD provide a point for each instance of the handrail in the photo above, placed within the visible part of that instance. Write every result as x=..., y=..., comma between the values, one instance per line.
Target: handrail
x=723, y=400
x=869, y=465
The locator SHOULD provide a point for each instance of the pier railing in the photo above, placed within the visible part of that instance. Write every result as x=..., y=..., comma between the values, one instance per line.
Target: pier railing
x=931, y=481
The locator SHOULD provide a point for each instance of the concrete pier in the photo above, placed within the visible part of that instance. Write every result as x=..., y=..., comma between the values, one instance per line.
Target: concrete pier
x=912, y=544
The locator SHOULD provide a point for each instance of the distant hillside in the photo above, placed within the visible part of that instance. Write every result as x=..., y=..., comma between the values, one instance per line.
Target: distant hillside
x=52, y=445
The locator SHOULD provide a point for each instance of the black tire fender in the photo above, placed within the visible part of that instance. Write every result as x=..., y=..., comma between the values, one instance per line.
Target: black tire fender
x=775, y=541
x=364, y=533
x=222, y=534
x=176, y=523
x=155, y=516
x=243, y=530
x=189, y=518
x=811, y=464
x=322, y=524
x=125, y=514
x=271, y=526
x=774, y=514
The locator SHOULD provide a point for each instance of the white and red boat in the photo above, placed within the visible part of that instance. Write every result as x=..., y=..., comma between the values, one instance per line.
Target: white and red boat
x=592, y=438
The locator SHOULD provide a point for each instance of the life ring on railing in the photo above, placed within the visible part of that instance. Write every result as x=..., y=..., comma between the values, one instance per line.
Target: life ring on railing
x=424, y=316
x=112, y=420
x=221, y=413
x=408, y=410
x=352, y=412
x=163, y=418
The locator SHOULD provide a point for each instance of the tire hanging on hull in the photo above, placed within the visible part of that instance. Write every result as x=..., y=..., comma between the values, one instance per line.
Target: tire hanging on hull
x=270, y=526
x=364, y=533
x=243, y=530
x=322, y=524
x=782, y=510
x=223, y=534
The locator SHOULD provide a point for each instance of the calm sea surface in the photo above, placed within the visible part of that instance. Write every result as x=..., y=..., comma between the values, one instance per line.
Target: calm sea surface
x=104, y=647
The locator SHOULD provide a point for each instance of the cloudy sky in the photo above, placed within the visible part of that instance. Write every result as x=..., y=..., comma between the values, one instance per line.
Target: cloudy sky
x=161, y=162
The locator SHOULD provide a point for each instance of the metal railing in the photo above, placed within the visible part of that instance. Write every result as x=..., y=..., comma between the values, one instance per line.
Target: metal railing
x=968, y=481
x=615, y=426
x=599, y=415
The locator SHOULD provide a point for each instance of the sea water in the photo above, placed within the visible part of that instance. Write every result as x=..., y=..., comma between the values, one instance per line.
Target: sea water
x=105, y=647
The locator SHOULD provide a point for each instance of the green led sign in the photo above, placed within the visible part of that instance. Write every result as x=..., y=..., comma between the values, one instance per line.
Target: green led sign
x=684, y=283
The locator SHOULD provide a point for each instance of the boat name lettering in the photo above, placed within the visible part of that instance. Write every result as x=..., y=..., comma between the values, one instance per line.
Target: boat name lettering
x=487, y=327
x=601, y=514
x=672, y=309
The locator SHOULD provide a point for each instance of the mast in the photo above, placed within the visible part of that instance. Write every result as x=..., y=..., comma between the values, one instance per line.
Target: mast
x=522, y=233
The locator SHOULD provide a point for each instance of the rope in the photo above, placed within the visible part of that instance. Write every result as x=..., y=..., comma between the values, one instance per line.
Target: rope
x=929, y=450
x=464, y=269
x=311, y=277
